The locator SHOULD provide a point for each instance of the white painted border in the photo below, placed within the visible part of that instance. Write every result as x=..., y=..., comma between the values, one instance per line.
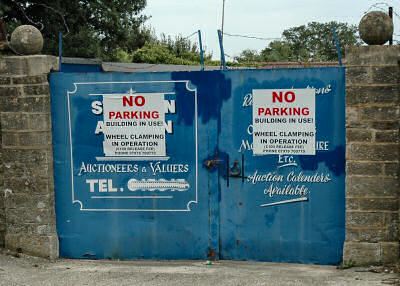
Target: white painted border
x=196, y=145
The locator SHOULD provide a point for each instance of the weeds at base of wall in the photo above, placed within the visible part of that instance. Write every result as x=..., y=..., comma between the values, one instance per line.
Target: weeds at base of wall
x=347, y=264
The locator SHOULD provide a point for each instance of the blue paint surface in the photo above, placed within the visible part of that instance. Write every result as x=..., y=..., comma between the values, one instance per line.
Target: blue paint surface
x=80, y=68
x=214, y=217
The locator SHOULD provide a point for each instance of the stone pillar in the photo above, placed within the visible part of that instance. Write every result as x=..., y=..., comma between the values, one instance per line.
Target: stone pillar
x=2, y=210
x=27, y=187
x=372, y=182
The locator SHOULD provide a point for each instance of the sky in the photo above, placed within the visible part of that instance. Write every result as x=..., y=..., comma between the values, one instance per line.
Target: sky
x=258, y=18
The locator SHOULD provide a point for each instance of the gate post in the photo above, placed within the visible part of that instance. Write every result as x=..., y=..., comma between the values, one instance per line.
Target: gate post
x=27, y=217
x=372, y=181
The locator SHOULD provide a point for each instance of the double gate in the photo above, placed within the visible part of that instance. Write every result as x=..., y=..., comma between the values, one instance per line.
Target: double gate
x=245, y=164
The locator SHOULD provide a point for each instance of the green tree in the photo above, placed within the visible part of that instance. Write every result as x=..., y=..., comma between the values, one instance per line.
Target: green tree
x=311, y=42
x=248, y=56
x=92, y=28
x=315, y=41
x=278, y=51
x=168, y=50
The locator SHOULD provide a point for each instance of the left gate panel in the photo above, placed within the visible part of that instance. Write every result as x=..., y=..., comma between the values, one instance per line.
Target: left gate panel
x=128, y=180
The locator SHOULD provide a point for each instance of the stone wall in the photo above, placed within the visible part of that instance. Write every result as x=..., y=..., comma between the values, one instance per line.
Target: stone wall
x=27, y=217
x=2, y=210
x=372, y=182
x=27, y=187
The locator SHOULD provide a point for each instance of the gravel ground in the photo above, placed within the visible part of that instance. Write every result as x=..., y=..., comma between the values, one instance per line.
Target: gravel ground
x=20, y=269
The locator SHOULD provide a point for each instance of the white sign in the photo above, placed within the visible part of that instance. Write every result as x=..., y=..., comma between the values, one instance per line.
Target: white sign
x=134, y=124
x=284, y=121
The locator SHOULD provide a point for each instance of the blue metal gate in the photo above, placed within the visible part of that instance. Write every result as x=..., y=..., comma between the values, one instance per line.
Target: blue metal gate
x=163, y=165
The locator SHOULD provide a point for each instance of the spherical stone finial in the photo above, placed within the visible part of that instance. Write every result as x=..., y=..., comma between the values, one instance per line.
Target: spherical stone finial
x=376, y=28
x=27, y=40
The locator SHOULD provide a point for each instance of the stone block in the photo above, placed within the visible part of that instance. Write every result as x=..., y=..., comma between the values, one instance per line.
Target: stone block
x=392, y=169
x=29, y=79
x=372, y=152
x=35, y=138
x=362, y=253
x=12, y=65
x=12, y=241
x=385, y=125
x=358, y=124
x=386, y=74
x=30, y=216
x=41, y=64
x=34, y=165
x=40, y=89
x=2, y=240
x=31, y=158
x=352, y=234
x=9, y=104
x=352, y=204
x=358, y=135
x=364, y=219
x=9, y=139
x=392, y=217
x=14, y=121
x=372, y=94
x=351, y=113
x=379, y=113
x=27, y=201
x=373, y=235
x=10, y=91
x=28, y=65
x=35, y=104
x=42, y=246
x=391, y=136
x=25, y=104
x=364, y=168
x=47, y=229
x=390, y=252
x=5, y=80
x=372, y=55
x=358, y=75
x=370, y=187
x=40, y=122
x=32, y=228
x=27, y=185
x=373, y=204
x=392, y=224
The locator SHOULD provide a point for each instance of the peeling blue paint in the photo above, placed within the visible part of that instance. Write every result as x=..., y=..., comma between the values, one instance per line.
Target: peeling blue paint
x=223, y=214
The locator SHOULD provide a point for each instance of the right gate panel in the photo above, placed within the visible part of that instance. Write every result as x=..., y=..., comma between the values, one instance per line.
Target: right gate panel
x=277, y=205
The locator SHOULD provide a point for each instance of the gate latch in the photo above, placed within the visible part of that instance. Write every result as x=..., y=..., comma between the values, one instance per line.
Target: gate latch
x=210, y=164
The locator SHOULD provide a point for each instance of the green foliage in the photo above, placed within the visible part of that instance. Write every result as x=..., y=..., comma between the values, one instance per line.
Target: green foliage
x=97, y=28
x=314, y=42
x=158, y=54
x=277, y=51
x=347, y=264
x=249, y=56
x=178, y=51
